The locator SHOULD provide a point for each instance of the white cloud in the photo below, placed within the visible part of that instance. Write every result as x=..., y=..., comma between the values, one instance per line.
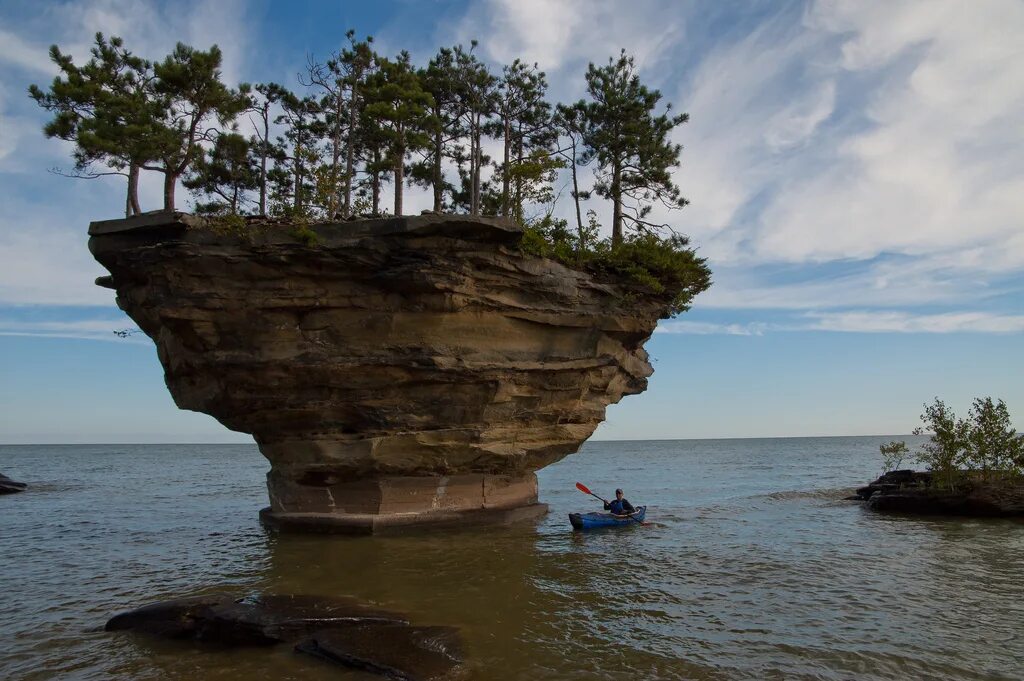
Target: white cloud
x=711, y=328
x=874, y=321
x=859, y=321
x=33, y=57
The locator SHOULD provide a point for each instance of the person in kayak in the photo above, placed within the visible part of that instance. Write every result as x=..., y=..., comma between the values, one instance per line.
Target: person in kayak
x=620, y=506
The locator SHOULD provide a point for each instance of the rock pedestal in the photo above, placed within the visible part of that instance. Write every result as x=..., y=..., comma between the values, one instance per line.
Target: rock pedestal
x=394, y=372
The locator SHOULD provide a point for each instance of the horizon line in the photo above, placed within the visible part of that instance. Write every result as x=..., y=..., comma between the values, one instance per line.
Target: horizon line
x=656, y=439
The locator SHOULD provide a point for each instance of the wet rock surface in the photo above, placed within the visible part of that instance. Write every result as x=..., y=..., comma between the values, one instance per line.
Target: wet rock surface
x=408, y=368
x=8, y=486
x=339, y=630
x=394, y=652
x=908, y=491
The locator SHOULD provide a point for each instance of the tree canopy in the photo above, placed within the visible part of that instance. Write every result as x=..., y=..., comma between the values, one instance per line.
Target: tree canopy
x=359, y=121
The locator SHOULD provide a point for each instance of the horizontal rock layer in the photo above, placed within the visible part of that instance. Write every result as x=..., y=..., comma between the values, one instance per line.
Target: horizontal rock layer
x=425, y=354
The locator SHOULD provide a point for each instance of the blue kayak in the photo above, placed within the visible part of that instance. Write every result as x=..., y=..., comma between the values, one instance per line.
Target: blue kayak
x=592, y=521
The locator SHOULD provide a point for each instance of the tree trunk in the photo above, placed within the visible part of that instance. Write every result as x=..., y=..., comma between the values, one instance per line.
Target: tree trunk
x=132, y=200
x=332, y=207
x=350, y=149
x=376, y=184
x=477, y=160
x=616, y=192
x=517, y=193
x=438, y=177
x=170, y=180
x=506, y=179
x=263, y=158
x=399, y=178
x=576, y=197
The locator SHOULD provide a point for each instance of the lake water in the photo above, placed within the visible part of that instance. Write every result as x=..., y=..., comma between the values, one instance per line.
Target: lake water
x=751, y=569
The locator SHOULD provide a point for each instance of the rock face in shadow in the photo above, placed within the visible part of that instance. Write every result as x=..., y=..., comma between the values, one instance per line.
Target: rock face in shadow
x=397, y=371
x=339, y=630
x=8, y=486
x=908, y=491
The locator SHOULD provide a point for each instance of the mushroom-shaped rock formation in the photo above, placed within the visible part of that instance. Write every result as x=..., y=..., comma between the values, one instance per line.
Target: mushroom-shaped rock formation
x=394, y=371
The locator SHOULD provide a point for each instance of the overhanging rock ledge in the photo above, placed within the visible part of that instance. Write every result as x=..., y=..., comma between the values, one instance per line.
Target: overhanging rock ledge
x=396, y=372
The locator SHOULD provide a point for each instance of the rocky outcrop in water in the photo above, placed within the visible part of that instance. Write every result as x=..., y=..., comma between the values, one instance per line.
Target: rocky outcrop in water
x=8, y=486
x=908, y=491
x=340, y=630
x=395, y=371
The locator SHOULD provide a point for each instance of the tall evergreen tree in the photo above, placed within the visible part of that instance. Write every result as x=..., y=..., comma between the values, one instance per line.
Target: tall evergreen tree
x=260, y=99
x=296, y=155
x=570, y=122
x=356, y=63
x=189, y=80
x=630, y=143
x=107, y=107
x=524, y=125
x=401, y=107
x=475, y=88
x=441, y=79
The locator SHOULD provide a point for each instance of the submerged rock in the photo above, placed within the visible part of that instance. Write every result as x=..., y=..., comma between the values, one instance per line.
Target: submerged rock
x=338, y=629
x=394, y=371
x=260, y=620
x=908, y=491
x=400, y=653
x=8, y=486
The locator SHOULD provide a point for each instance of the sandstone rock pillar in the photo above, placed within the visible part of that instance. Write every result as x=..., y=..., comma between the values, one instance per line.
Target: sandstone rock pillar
x=398, y=372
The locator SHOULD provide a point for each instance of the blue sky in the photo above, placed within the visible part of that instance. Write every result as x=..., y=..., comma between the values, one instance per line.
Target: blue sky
x=855, y=172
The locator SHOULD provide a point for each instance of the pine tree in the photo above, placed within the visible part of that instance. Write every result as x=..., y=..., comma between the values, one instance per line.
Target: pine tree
x=296, y=154
x=189, y=80
x=228, y=171
x=524, y=124
x=631, y=145
x=260, y=99
x=401, y=107
x=475, y=89
x=570, y=122
x=440, y=79
x=108, y=109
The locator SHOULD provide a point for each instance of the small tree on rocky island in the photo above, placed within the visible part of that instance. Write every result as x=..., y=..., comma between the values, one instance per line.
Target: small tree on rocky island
x=631, y=145
x=982, y=447
x=109, y=110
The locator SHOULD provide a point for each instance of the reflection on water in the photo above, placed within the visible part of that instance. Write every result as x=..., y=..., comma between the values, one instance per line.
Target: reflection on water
x=750, y=569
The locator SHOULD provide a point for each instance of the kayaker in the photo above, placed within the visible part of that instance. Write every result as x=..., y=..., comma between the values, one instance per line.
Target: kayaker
x=620, y=506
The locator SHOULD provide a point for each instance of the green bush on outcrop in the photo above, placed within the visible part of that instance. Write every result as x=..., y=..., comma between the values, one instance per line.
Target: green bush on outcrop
x=984, y=446
x=666, y=266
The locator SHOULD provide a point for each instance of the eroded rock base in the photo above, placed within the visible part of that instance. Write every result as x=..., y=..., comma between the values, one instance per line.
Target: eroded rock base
x=314, y=501
x=397, y=523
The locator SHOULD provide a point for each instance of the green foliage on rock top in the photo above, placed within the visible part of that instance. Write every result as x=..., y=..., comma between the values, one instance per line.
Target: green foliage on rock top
x=662, y=266
x=984, y=446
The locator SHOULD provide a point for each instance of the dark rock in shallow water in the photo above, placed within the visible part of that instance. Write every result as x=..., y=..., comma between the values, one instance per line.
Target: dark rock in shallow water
x=395, y=652
x=274, y=618
x=895, y=480
x=340, y=629
x=178, y=618
x=261, y=620
x=910, y=492
x=8, y=486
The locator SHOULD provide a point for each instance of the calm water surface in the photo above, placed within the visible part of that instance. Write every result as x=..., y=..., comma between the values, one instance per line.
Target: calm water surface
x=751, y=569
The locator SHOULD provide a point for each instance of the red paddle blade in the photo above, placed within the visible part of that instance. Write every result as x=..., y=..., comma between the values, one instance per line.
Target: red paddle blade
x=583, y=488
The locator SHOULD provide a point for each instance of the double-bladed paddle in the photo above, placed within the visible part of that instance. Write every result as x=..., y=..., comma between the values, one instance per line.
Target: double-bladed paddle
x=583, y=488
